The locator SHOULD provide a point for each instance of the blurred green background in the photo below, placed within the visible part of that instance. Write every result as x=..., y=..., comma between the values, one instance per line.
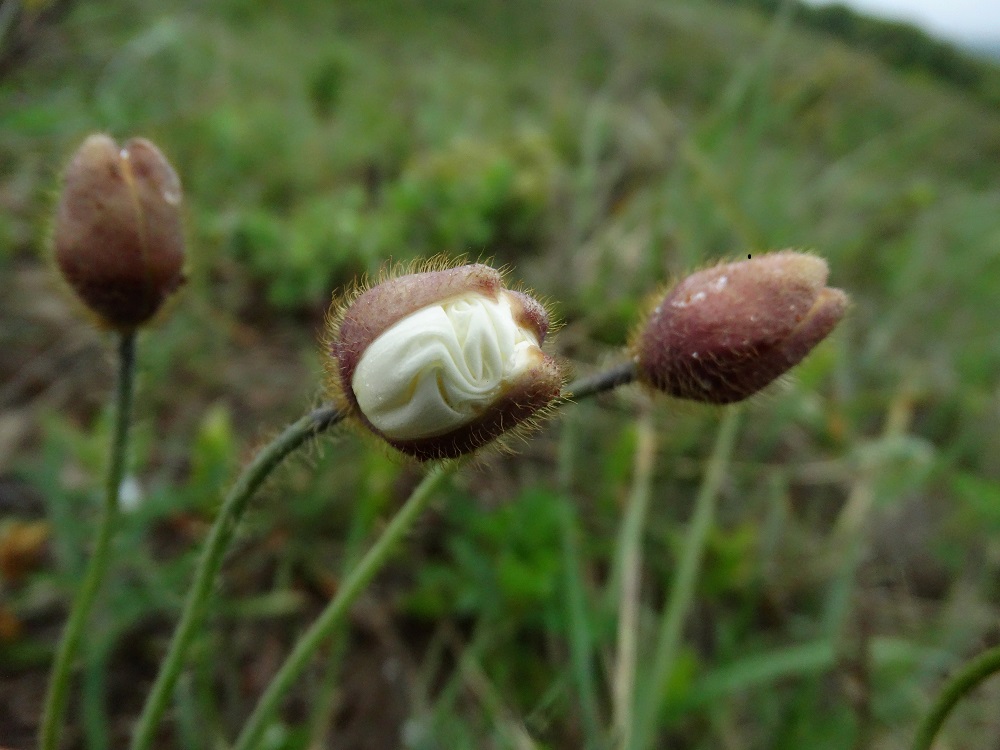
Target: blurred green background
x=598, y=150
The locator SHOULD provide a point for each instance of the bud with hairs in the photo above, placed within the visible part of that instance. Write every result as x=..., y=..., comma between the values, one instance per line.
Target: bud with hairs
x=441, y=362
x=724, y=333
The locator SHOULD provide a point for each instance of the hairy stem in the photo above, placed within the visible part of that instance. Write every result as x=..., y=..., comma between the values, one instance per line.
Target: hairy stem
x=55, y=699
x=621, y=374
x=372, y=563
x=969, y=677
x=683, y=585
x=218, y=540
x=229, y=517
x=336, y=610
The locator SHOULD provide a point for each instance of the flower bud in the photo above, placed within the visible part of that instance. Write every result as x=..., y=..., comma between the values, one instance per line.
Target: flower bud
x=726, y=332
x=118, y=237
x=442, y=362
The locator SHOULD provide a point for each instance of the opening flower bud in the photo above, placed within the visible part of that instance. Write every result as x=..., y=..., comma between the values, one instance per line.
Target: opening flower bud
x=442, y=362
x=726, y=332
x=118, y=237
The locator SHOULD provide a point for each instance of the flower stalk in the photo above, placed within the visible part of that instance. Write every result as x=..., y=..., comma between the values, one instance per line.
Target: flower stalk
x=228, y=518
x=55, y=699
x=334, y=613
x=373, y=561
x=967, y=679
x=682, y=588
x=629, y=564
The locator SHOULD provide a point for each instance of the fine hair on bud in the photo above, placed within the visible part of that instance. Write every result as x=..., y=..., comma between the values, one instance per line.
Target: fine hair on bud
x=441, y=361
x=118, y=235
x=726, y=332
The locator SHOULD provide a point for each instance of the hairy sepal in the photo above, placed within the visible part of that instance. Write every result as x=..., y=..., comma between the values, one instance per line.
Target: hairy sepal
x=365, y=313
x=726, y=332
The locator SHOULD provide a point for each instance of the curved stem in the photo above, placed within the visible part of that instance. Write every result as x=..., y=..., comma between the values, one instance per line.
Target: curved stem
x=229, y=516
x=683, y=586
x=376, y=558
x=336, y=610
x=218, y=540
x=969, y=676
x=55, y=699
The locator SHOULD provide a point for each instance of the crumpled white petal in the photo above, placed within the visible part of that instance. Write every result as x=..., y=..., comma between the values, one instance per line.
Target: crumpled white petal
x=440, y=367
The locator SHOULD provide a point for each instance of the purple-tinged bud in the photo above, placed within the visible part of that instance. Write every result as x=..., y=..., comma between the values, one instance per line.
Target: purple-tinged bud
x=442, y=362
x=726, y=332
x=118, y=237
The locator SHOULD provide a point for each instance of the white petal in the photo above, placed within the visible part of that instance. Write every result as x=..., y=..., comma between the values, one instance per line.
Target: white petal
x=440, y=367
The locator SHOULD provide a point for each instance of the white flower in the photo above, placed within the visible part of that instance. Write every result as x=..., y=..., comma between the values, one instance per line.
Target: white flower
x=442, y=366
x=441, y=362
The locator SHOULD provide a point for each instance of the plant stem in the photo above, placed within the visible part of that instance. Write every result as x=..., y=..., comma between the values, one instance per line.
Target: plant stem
x=336, y=610
x=621, y=374
x=232, y=511
x=55, y=699
x=581, y=636
x=630, y=546
x=683, y=585
x=969, y=676
x=374, y=560
x=218, y=540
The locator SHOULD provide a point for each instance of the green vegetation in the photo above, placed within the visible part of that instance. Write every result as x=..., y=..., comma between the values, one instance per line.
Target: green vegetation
x=599, y=149
x=901, y=45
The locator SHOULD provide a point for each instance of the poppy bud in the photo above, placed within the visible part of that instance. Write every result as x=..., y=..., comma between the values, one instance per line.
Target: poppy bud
x=726, y=332
x=117, y=234
x=442, y=362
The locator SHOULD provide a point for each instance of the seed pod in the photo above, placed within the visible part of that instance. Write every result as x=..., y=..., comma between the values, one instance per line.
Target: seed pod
x=118, y=237
x=726, y=332
x=442, y=362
